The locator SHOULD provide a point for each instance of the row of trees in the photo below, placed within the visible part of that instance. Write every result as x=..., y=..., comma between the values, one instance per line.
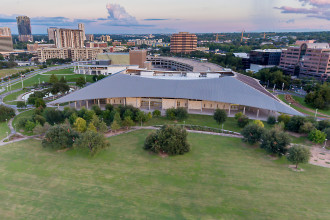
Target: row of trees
x=319, y=97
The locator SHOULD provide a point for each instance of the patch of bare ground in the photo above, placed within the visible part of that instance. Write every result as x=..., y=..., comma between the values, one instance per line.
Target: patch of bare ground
x=320, y=156
x=63, y=150
x=293, y=168
x=117, y=132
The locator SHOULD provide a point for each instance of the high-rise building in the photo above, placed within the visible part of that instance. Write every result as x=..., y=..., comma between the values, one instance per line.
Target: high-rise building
x=24, y=28
x=51, y=33
x=183, y=42
x=307, y=59
x=6, y=41
x=90, y=37
x=266, y=57
x=105, y=38
x=82, y=28
x=68, y=38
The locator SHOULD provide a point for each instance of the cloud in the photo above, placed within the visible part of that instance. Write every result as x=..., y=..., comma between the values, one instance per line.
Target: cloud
x=311, y=8
x=156, y=19
x=119, y=16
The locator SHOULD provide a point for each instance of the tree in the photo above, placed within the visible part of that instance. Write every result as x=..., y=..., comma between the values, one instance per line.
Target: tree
x=6, y=113
x=53, y=79
x=39, y=102
x=141, y=117
x=29, y=125
x=170, y=114
x=327, y=132
x=323, y=125
x=258, y=123
x=21, y=104
x=171, y=140
x=242, y=121
x=252, y=133
x=80, y=125
x=275, y=142
x=41, y=130
x=284, y=118
x=89, y=114
x=81, y=82
x=295, y=123
x=317, y=136
x=115, y=126
x=109, y=107
x=306, y=127
x=39, y=119
x=181, y=113
x=92, y=141
x=298, y=154
x=97, y=109
x=238, y=115
x=53, y=116
x=128, y=122
x=62, y=80
x=220, y=116
x=156, y=113
x=59, y=137
x=91, y=127
x=271, y=120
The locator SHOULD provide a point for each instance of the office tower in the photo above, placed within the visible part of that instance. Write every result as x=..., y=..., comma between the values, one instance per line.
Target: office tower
x=183, y=42
x=6, y=41
x=307, y=59
x=82, y=28
x=51, y=33
x=68, y=38
x=268, y=57
x=105, y=38
x=24, y=28
x=90, y=37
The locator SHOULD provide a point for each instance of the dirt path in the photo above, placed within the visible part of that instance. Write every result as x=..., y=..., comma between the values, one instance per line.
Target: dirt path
x=291, y=100
x=320, y=157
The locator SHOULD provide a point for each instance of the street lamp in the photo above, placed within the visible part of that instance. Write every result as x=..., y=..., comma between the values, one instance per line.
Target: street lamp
x=315, y=112
x=325, y=143
x=7, y=135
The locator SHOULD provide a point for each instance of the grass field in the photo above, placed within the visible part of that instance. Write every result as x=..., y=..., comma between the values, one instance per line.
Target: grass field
x=27, y=113
x=45, y=78
x=61, y=72
x=13, y=96
x=7, y=72
x=301, y=101
x=3, y=129
x=219, y=179
x=297, y=108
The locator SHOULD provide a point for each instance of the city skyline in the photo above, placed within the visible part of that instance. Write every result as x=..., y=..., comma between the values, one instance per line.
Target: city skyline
x=153, y=16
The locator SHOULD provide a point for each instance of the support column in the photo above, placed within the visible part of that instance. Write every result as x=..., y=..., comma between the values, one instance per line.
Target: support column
x=149, y=103
x=258, y=114
x=229, y=110
x=136, y=103
x=98, y=102
x=201, y=106
x=75, y=105
x=188, y=106
x=162, y=103
x=58, y=106
x=124, y=101
x=244, y=111
x=86, y=104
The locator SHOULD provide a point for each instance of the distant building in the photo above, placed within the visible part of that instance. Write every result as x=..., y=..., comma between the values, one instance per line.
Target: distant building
x=76, y=54
x=50, y=53
x=307, y=59
x=116, y=43
x=96, y=44
x=6, y=41
x=183, y=42
x=138, y=57
x=130, y=44
x=24, y=28
x=68, y=38
x=51, y=34
x=266, y=57
x=105, y=38
x=82, y=28
x=245, y=59
x=90, y=37
x=35, y=47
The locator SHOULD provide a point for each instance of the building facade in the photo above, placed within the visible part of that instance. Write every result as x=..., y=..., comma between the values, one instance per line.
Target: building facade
x=6, y=41
x=68, y=38
x=138, y=57
x=51, y=34
x=82, y=28
x=183, y=42
x=105, y=38
x=76, y=54
x=307, y=59
x=96, y=44
x=24, y=28
x=266, y=57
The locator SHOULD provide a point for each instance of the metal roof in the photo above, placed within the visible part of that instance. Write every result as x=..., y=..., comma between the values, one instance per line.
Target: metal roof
x=225, y=89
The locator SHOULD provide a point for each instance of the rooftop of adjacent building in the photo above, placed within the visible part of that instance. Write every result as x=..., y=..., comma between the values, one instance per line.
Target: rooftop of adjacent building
x=268, y=50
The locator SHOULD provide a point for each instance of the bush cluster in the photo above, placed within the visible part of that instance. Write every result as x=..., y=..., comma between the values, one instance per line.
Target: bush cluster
x=6, y=113
x=178, y=113
x=171, y=140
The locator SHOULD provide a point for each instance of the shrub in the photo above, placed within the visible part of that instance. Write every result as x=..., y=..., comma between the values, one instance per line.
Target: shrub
x=284, y=118
x=306, y=127
x=109, y=107
x=170, y=113
x=29, y=125
x=298, y=154
x=91, y=127
x=156, y=113
x=220, y=116
x=91, y=141
x=97, y=109
x=6, y=113
x=41, y=130
x=327, y=132
x=128, y=122
x=53, y=116
x=22, y=121
x=169, y=139
x=39, y=119
x=21, y=104
x=258, y=123
x=323, y=125
x=238, y=115
x=89, y=114
x=317, y=136
x=68, y=112
x=271, y=120
x=295, y=123
x=59, y=137
x=275, y=142
x=115, y=126
x=242, y=121
x=252, y=133
x=80, y=125
x=181, y=113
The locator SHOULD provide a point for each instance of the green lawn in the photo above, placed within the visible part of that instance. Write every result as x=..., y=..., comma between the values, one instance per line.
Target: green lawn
x=7, y=72
x=45, y=78
x=61, y=72
x=27, y=113
x=220, y=178
x=301, y=101
x=3, y=129
x=13, y=96
x=282, y=97
x=202, y=120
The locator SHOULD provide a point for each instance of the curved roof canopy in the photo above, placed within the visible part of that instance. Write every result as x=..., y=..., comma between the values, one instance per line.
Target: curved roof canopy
x=224, y=89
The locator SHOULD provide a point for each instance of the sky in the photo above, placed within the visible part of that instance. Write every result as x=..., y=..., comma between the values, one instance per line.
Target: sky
x=159, y=16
